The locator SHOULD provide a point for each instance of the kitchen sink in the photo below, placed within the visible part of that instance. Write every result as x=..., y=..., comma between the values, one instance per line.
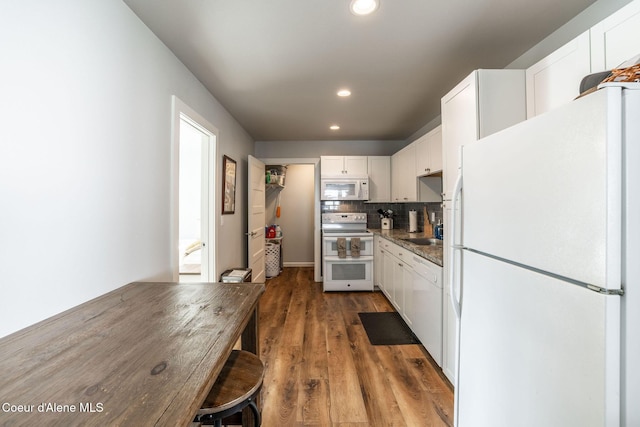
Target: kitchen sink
x=423, y=241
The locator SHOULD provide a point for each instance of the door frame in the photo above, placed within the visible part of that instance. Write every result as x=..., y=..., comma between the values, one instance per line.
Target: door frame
x=317, y=240
x=179, y=111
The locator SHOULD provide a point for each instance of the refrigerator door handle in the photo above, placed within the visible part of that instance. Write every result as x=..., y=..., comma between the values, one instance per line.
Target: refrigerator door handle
x=455, y=301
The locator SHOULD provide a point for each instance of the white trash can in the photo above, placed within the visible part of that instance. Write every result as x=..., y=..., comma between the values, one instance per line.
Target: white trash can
x=272, y=261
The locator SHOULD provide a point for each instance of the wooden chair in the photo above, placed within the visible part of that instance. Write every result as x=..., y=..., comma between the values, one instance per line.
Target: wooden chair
x=236, y=387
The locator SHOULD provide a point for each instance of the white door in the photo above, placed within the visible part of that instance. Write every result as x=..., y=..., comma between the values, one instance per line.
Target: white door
x=256, y=219
x=356, y=165
x=554, y=80
x=331, y=166
x=193, y=232
x=194, y=193
x=379, y=178
x=614, y=40
x=535, y=350
x=568, y=159
x=459, y=126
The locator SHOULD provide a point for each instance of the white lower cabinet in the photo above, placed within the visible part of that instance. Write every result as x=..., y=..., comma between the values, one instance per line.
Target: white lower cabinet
x=396, y=291
x=387, y=270
x=406, y=304
x=414, y=286
x=399, y=261
x=378, y=265
x=426, y=302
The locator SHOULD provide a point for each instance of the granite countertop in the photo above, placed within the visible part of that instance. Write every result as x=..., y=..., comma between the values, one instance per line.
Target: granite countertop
x=432, y=253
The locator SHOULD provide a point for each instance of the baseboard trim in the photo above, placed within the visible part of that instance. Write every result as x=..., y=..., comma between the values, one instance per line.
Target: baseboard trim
x=298, y=264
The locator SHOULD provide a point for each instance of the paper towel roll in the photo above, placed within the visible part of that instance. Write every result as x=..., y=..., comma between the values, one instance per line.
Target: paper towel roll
x=413, y=221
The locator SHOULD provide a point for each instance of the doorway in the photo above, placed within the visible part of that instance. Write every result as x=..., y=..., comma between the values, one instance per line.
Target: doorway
x=193, y=247
x=293, y=212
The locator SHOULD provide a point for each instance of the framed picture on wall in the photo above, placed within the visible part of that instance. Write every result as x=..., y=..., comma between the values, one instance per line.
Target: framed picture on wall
x=228, y=185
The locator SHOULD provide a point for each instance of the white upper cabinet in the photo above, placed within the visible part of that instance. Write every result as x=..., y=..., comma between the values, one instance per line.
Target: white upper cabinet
x=483, y=103
x=356, y=165
x=379, y=178
x=429, y=153
x=334, y=166
x=555, y=80
x=404, y=184
x=616, y=38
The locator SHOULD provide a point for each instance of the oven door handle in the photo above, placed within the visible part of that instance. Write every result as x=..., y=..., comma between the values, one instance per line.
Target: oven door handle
x=362, y=239
x=364, y=258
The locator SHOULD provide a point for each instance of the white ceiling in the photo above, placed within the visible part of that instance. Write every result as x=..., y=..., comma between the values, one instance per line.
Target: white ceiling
x=276, y=65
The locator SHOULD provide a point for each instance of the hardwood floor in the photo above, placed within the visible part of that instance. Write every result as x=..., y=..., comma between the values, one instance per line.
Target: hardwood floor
x=321, y=369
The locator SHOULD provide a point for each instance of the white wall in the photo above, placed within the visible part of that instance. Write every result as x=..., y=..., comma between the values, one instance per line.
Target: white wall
x=85, y=146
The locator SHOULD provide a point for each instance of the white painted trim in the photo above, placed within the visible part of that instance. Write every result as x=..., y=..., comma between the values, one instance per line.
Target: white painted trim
x=299, y=264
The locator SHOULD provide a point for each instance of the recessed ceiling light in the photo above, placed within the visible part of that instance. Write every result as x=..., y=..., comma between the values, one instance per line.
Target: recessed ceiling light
x=363, y=7
x=344, y=92
x=334, y=127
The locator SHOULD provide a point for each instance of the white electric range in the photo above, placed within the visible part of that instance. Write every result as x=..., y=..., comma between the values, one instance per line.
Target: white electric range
x=347, y=252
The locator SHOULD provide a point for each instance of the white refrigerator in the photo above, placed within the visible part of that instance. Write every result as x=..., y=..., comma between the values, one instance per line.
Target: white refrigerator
x=549, y=247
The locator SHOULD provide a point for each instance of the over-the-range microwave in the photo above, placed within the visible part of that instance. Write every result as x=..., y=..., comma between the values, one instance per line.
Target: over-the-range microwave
x=344, y=188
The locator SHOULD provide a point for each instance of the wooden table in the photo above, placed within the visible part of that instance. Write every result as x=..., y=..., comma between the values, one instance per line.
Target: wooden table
x=143, y=354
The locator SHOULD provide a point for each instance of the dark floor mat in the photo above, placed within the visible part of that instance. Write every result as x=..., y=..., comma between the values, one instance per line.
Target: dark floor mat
x=387, y=328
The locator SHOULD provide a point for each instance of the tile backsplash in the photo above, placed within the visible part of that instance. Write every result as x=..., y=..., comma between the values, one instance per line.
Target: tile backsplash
x=400, y=211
